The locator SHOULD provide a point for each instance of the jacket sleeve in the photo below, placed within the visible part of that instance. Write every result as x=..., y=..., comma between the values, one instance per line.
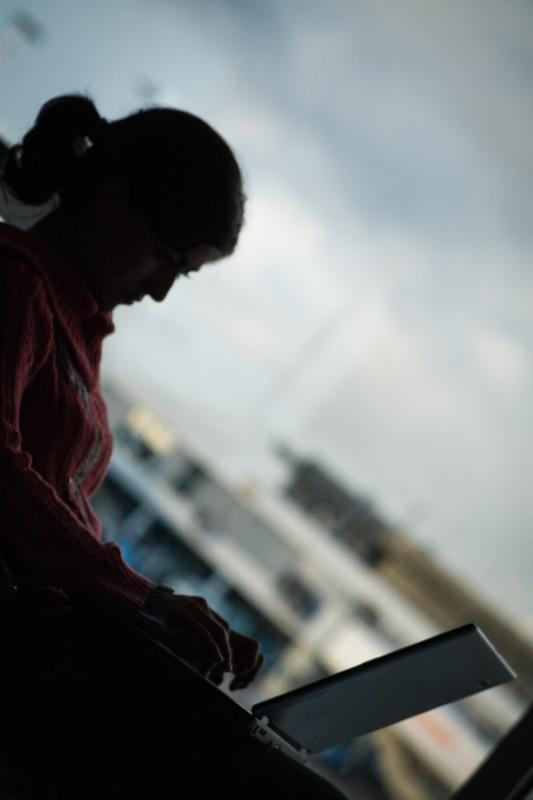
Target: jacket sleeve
x=40, y=536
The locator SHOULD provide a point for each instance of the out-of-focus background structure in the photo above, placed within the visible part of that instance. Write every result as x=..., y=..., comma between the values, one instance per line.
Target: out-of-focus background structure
x=328, y=436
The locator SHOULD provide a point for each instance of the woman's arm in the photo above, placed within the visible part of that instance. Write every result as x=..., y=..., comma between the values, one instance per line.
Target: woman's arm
x=49, y=545
x=41, y=537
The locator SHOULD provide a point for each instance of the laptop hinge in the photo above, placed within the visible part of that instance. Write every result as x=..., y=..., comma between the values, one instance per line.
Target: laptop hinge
x=259, y=729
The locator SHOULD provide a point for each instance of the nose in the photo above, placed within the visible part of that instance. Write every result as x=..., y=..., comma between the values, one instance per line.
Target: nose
x=161, y=285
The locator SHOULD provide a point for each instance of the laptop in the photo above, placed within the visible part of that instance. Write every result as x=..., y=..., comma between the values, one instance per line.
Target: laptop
x=337, y=709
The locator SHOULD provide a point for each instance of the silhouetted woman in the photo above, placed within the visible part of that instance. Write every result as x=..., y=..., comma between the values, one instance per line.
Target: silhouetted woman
x=133, y=205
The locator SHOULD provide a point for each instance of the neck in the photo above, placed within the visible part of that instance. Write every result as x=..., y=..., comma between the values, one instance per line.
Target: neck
x=58, y=230
x=65, y=231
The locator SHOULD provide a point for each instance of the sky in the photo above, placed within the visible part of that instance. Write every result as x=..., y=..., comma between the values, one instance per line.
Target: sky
x=377, y=312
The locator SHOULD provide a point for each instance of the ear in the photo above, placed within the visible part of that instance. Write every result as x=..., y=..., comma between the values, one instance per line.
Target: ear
x=113, y=198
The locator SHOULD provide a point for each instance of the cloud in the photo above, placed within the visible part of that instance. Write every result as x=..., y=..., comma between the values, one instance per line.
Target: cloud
x=503, y=361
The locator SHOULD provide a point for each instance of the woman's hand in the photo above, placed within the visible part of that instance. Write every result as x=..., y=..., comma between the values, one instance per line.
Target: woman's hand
x=198, y=635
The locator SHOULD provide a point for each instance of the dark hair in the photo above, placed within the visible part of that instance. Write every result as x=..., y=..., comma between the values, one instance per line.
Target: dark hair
x=183, y=178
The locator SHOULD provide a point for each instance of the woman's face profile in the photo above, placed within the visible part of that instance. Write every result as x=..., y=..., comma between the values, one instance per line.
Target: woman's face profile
x=123, y=261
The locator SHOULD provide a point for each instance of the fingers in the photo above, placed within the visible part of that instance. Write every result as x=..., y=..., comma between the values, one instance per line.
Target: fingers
x=219, y=631
x=204, y=639
x=230, y=667
x=247, y=660
x=195, y=646
x=203, y=635
x=216, y=675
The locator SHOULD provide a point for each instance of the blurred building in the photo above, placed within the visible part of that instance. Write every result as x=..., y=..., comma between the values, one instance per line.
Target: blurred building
x=405, y=565
x=319, y=596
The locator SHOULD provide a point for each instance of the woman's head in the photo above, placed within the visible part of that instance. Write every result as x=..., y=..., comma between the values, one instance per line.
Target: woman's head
x=169, y=172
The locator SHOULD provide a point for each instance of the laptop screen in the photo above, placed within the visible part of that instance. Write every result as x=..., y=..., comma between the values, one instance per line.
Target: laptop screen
x=386, y=690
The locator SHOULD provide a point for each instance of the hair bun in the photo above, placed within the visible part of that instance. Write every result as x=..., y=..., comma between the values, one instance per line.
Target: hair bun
x=45, y=161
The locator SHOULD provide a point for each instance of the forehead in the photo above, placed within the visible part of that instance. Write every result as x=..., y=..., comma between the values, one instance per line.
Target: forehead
x=192, y=257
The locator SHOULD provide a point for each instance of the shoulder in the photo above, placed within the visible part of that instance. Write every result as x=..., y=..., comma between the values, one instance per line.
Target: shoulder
x=15, y=242
x=19, y=259
x=23, y=291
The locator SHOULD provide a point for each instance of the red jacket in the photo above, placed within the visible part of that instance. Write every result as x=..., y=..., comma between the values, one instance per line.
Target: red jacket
x=55, y=441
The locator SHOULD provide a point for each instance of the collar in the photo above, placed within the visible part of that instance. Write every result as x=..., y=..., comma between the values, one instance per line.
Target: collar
x=69, y=293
